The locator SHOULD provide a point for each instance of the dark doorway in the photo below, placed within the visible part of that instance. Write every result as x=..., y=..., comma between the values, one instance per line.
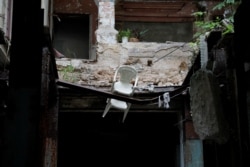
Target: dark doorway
x=144, y=139
x=71, y=35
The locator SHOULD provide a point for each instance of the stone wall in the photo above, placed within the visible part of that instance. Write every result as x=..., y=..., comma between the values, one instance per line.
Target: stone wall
x=161, y=64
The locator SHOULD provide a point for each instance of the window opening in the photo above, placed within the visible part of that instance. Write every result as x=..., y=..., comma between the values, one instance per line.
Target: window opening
x=144, y=139
x=71, y=36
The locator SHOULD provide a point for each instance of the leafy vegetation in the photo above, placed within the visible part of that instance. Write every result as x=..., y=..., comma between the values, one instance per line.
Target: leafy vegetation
x=223, y=24
x=68, y=74
x=139, y=33
x=123, y=33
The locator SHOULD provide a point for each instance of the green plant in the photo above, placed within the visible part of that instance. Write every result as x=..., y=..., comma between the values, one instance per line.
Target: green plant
x=68, y=73
x=139, y=33
x=123, y=33
x=205, y=26
x=225, y=24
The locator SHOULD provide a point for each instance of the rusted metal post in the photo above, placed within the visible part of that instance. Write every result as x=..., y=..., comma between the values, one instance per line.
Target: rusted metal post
x=49, y=103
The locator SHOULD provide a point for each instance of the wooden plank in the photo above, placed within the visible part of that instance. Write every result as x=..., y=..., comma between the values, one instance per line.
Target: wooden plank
x=153, y=5
x=155, y=19
x=146, y=13
x=106, y=94
x=154, y=11
x=72, y=102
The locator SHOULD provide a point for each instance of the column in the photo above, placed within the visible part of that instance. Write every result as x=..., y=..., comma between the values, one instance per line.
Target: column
x=106, y=32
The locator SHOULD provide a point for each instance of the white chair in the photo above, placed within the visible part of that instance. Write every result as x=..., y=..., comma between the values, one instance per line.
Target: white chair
x=124, y=83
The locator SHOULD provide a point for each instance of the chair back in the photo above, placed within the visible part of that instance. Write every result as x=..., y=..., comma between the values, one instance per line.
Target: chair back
x=126, y=74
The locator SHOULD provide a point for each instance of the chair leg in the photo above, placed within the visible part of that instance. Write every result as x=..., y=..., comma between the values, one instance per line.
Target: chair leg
x=106, y=109
x=126, y=112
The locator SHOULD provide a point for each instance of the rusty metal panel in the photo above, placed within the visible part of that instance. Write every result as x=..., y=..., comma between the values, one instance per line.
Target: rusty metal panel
x=188, y=126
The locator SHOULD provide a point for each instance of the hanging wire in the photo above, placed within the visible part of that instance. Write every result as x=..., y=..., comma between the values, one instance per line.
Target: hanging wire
x=193, y=39
x=171, y=97
x=169, y=53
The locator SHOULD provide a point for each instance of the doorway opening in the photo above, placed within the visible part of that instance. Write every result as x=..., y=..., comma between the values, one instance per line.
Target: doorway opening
x=150, y=139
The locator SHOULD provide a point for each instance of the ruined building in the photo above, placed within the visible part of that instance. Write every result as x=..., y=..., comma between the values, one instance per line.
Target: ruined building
x=58, y=59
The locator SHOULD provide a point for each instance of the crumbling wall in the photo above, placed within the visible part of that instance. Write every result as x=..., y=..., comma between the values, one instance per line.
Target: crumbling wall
x=161, y=64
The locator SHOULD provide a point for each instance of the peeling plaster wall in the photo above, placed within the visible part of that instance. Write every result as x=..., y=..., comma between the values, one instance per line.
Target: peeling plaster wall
x=161, y=64
x=106, y=17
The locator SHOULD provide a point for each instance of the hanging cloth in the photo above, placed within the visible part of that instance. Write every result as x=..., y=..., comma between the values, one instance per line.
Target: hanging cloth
x=207, y=107
x=165, y=101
